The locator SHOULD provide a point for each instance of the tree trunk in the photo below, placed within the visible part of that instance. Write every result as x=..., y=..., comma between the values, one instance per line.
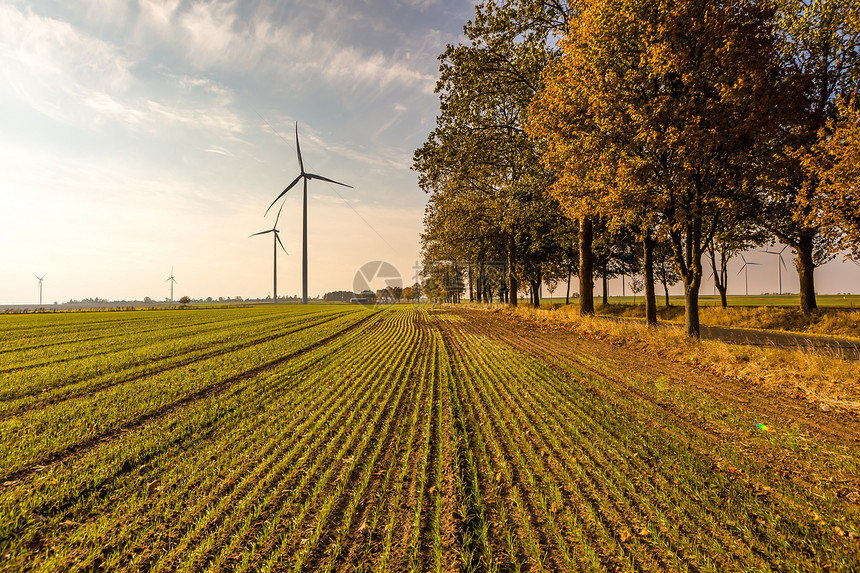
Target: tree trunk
x=586, y=267
x=805, y=264
x=691, y=308
x=720, y=275
x=724, y=301
x=648, y=268
x=567, y=296
x=688, y=250
x=666, y=290
x=471, y=284
x=605, y=289
x=512, y=280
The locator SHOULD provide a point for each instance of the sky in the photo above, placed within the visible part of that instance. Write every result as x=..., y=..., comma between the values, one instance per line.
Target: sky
x=148, y=137
x=144, y=136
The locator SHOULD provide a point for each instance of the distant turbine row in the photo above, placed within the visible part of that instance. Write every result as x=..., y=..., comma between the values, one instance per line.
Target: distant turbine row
x=42, y=278
x=303, y=175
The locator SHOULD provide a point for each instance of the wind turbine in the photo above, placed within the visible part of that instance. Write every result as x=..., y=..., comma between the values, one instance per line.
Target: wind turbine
x=172, y=282
x=745, y=270
x=306, y=177
x=275, y=242
x=41, y=278
x=780, y=265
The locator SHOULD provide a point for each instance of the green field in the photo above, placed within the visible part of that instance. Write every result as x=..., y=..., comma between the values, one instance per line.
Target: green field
x=342, y=438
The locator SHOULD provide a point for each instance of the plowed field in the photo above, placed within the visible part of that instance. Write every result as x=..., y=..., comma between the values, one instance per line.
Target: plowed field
x=343, y=439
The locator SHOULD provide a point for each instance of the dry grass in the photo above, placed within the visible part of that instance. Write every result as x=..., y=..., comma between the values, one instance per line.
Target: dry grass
x=822, y=377
x=824, y=322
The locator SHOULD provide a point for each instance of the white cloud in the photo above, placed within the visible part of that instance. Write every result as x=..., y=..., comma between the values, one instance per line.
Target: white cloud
x=219, y=150
x=55, y=51
x=64, y=74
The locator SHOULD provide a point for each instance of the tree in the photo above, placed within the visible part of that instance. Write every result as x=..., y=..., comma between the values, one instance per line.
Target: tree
x=820, y=43
x=664, y=268
x=835, y=160
x=637, y=285
x=185, y=300
x=661, y=113
x=734, y=236
x=479, y=155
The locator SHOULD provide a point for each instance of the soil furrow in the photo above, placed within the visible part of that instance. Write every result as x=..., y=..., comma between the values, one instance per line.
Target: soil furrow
x=210, y=353
x=211, y=390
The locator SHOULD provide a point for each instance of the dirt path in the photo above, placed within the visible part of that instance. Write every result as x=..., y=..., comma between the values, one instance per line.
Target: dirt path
x=840, y=347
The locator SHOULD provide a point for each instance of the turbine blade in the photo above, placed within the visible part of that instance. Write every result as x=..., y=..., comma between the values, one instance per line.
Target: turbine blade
x=284, y=192
x=784, y=247
x=742, y=269
x=280, y=243
x=781, y=260
x=275, y=226
x=260, y=233
x=321, y=178
x=299, y=150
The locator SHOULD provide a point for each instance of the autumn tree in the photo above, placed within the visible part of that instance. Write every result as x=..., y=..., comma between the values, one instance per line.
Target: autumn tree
x=835, y=160
x=662, y=110
x=819, y=41
x=478, y=150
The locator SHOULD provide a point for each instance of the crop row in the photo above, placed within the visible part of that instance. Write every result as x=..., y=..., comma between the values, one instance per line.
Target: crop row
x=34, y=435
x=569, y=473
x=406, y=439
x=303, y=465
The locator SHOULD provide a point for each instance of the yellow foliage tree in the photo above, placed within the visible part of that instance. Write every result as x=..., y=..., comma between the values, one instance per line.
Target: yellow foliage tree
x=835, y=206
x=662, y=112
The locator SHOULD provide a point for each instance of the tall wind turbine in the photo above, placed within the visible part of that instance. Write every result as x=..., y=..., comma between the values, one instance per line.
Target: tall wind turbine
x=172, y=282
x=41, y=278
x=779, y=265
x=306, y=177
x=276, y=241
x=745, y=269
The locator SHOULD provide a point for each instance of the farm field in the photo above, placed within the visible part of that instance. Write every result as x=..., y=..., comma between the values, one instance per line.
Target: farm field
x=340, y=438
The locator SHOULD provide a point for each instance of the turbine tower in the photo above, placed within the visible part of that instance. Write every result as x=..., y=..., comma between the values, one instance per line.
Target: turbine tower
x=745, y=270
x=306, y=177
x=779, y=265
x=172, y=282
x=41, y=278
x=276, y=241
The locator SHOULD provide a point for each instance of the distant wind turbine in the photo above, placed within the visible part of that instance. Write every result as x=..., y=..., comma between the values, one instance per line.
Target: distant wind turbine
x=779, y=265
x=745, y=270
x=172, y=282
x=306, y=177
x=276, y=241
x=41, y=278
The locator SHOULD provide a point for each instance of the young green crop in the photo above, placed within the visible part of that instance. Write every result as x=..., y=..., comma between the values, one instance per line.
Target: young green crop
x=334, y=438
